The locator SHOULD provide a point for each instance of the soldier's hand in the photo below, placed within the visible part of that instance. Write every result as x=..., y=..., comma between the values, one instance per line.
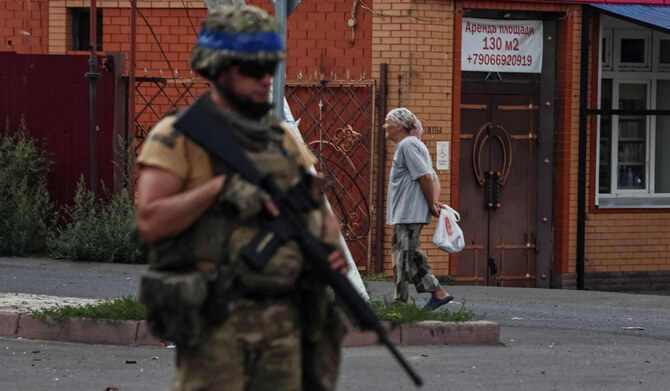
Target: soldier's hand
x=271, y=208
x=338, y=262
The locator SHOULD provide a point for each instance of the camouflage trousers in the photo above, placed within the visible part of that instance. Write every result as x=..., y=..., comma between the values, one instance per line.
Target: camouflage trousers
x=410, y=263
x=258, y=348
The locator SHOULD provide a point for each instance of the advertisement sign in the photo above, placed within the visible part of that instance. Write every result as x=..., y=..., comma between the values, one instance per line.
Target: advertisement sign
x=501, y=45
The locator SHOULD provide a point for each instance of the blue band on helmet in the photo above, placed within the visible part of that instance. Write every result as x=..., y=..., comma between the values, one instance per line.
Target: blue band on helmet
x=267, y=41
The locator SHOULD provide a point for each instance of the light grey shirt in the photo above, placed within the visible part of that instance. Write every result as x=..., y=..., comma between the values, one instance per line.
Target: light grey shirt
x=405, y=203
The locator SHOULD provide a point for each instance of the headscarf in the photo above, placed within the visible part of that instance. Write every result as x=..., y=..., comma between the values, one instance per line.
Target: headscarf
x=407, y=120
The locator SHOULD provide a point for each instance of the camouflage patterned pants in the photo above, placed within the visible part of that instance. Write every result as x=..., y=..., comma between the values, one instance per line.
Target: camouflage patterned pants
x=410, y=263
x=257, y=349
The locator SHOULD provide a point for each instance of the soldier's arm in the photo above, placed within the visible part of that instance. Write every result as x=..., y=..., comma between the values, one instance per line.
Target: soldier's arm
x=164, y=209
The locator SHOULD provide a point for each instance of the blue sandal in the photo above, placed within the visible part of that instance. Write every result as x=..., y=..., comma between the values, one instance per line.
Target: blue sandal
x=435, y=303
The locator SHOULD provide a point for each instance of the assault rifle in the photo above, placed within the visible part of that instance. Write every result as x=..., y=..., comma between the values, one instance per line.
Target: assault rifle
x=200, y=124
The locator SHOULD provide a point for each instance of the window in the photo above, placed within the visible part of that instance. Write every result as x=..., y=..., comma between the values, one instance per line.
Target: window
x=626, y=147
x=633, y=165
x=661, y=161
x=630, y=140
x=632, y=49
x=662, y=51
x=81, y=29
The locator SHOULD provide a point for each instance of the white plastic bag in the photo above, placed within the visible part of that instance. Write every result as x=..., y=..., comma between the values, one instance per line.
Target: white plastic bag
x=448, y=235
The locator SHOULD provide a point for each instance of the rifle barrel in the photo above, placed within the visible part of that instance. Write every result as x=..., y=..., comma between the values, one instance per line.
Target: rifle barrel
x=403, y=363
x=367, y=319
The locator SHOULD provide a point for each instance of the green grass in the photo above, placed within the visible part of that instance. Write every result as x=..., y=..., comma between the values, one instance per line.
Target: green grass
x=130, y=308
x=410, y=312
x=112, y=310
x=376, y=277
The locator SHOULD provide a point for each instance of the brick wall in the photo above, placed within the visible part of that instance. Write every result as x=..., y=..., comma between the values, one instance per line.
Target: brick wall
x=319, y=39
x=320, y=43
x=415, y=39
x=627, y=242
x=23, y=26
x=567, y=135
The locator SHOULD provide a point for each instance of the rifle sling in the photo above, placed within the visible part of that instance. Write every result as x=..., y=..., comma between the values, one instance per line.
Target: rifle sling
x=198, y=123
x=201, y=125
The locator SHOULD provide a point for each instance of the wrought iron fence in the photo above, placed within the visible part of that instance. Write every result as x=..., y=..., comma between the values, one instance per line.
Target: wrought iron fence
x=158, y=96
x=336, y=119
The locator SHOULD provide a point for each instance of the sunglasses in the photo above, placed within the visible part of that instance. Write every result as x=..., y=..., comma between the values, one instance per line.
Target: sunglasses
x=256, y=70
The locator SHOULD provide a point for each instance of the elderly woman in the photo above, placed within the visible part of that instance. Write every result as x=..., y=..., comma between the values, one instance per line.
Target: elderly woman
x=413, y=196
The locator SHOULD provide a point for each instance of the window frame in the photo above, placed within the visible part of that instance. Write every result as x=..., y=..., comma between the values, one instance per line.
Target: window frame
x=606, y=49
x=656, y=50
x=620, y=34
x=76, y=17
x=650, y=74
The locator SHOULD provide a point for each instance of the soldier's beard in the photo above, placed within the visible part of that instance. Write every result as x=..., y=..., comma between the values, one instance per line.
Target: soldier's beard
x=243, y=104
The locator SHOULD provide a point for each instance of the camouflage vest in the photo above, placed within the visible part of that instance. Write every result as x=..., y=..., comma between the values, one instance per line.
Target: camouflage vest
x=220, y=234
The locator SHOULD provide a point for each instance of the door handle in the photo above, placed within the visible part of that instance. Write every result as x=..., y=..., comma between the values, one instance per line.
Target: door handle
x=492, y=131
x=492, y=188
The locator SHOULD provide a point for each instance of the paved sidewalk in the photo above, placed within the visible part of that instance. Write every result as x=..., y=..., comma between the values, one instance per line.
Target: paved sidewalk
x=16, y=321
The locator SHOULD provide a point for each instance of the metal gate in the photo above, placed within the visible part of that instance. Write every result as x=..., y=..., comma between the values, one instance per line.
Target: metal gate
x=336, y=119
x=158, y=96
x=51, y=93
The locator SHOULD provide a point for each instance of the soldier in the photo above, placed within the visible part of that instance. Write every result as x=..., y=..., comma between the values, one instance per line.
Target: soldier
x=271, y=329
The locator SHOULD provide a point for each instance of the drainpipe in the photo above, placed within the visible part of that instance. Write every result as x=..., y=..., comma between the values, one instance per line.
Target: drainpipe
x=581, y=174
x=93, y=76
x=381, y=155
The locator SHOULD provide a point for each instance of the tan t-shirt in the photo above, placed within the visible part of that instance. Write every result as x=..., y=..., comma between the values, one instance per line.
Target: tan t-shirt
x=168, y=149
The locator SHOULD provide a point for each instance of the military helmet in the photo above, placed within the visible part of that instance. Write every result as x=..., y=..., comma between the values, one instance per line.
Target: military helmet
x=237, y=33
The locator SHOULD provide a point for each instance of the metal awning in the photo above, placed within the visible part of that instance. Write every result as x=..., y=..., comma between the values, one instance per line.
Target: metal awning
x=655, y=18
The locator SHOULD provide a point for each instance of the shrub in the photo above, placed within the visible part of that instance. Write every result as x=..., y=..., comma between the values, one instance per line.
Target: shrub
x=26, y=211
x=98, y=231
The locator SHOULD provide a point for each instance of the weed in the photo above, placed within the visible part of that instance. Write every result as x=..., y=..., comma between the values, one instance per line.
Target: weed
x=112, y=310
x=410, y=312
x=98, y=231
x=376, y=277
x=26, y=211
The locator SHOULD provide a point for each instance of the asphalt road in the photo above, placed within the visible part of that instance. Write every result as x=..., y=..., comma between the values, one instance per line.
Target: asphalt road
x=69, y=279
x=550, y=340
x=530, y=359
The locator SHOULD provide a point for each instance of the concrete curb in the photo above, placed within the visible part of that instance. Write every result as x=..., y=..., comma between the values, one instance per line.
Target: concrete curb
x=136, y=333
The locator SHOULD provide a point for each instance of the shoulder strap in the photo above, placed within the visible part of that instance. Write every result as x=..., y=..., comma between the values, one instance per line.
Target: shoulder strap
x=199, y=124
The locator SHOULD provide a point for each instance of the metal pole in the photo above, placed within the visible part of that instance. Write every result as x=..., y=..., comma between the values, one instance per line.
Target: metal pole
x=93, y=76
x=281, y=14
x=381, y=156
x=581, y=173
x=131, y=79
